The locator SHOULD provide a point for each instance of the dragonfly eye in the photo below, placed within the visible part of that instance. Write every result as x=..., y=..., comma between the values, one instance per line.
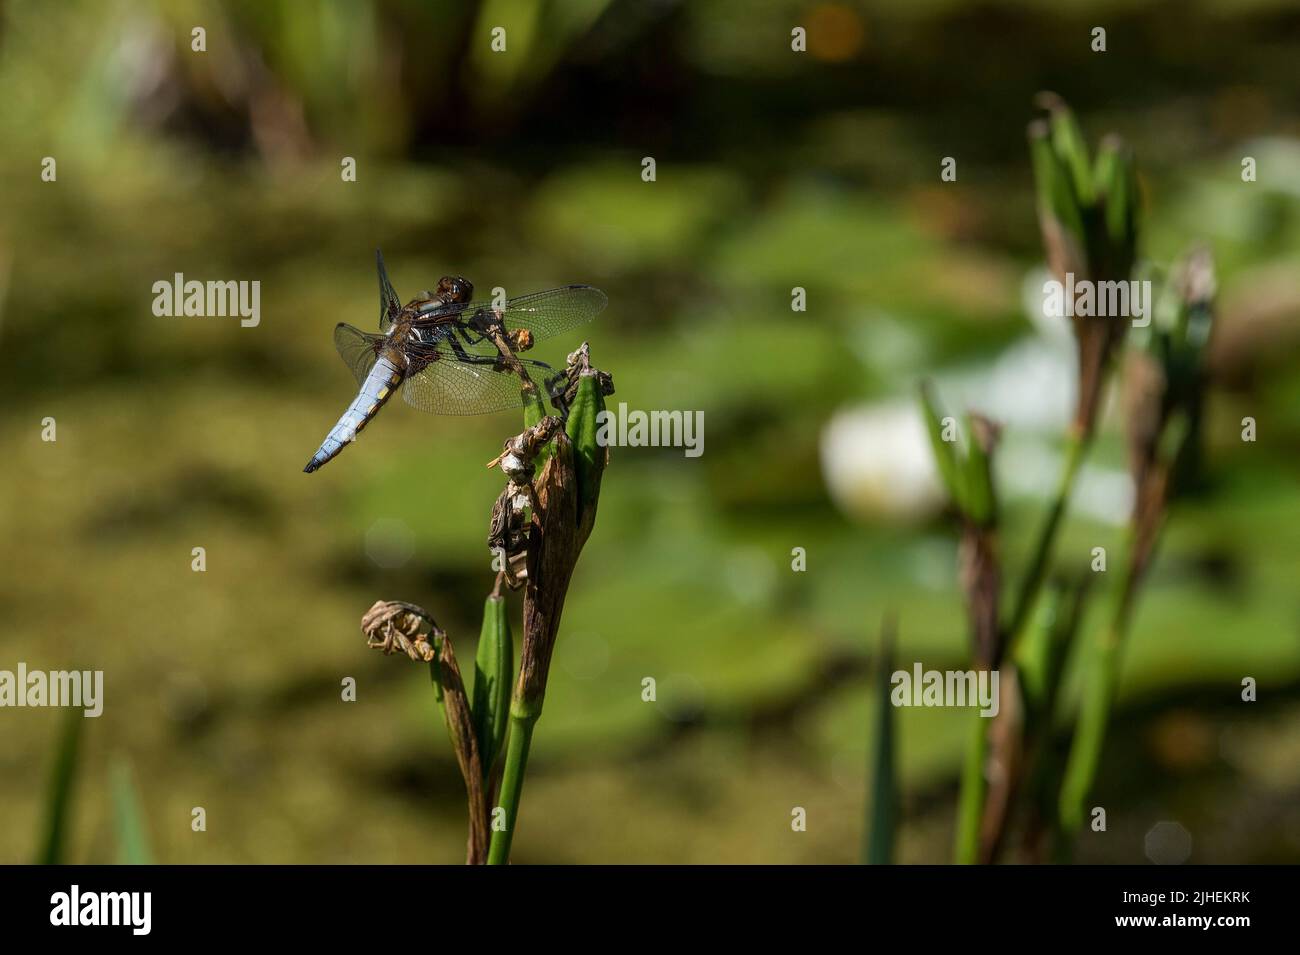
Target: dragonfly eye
x=455, y=289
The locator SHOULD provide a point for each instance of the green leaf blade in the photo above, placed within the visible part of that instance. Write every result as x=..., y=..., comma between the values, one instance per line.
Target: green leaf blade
x=128, y=819
x=58, y=803
x=1070, y=148
x=980, y=501
x=493, y=675
x=945, y=455
x=882, y=816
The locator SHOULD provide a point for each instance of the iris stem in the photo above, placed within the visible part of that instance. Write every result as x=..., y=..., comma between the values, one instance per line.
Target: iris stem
x=1075, y=451
x=1094, y=709
x=523, y=717
x=970, y=807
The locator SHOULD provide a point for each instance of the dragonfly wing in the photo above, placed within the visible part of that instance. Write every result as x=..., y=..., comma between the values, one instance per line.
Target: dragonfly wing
x=359, y=350
x=389, y=305
x=555, y=310
x=453, y=387
x=544, y=314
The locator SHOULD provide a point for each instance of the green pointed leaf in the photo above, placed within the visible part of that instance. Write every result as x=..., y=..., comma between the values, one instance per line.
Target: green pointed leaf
x=534, y=408
x=58, y=800
x=1110, y=162
x=1058, y=201
x=1117, y=187
x=128, y=820
x=978, y=480
x=1033, y=652
x=493, y=675
x=1041, y=653
x=883, y=812
x=945, y=452
x=1070, y=148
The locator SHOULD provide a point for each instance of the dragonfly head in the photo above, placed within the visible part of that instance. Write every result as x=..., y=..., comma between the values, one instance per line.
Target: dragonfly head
x=453, y=289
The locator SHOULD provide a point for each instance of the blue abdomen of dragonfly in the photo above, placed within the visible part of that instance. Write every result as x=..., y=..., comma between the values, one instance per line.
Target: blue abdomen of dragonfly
x=378, y=386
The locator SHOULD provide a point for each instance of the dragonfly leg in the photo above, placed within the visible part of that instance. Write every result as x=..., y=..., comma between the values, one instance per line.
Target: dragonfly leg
x=556, y=385
x=506, y=361
x=465, y=334
x=467, y=358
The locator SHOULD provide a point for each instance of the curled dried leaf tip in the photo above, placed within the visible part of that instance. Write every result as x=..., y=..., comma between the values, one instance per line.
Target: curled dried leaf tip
x=391, y=626
x=518, y=457
x=576, y=367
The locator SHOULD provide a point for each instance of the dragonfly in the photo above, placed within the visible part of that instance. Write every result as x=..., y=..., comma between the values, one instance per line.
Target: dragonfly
x=450, y=354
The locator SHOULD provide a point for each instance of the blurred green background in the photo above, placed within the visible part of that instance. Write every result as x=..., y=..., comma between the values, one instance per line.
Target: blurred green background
x=523, y=169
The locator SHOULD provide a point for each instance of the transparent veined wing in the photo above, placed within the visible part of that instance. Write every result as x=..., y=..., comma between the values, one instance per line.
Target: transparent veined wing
x=453, y=387
x=359, y=350
x=544, y=314
x=389, y=305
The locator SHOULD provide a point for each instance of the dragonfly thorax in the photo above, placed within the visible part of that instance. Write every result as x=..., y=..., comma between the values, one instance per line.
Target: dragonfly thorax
x=454, y=289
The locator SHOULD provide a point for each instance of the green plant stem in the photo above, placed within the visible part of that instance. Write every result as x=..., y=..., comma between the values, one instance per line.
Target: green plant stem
x=882, y=818
x=1094, y=711
x=1090, y=734
x=1075, y=451
x=523, y=717
x=970, y=808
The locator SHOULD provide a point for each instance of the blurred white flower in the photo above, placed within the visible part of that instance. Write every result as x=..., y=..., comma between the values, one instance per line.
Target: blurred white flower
x=877, y=461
